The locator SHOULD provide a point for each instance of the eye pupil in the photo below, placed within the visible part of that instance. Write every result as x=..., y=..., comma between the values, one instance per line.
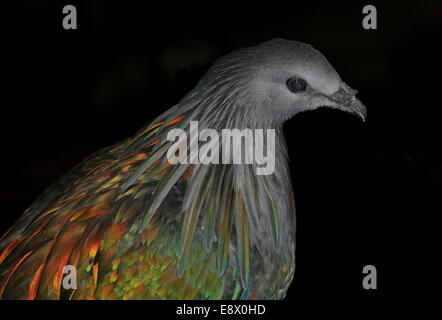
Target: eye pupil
x=296, y=84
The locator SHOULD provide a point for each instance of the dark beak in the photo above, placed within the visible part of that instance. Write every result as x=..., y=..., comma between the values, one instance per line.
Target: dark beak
x=346, y=100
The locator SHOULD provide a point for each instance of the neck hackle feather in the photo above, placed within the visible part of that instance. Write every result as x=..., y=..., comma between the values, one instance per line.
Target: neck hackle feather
x=123, y=192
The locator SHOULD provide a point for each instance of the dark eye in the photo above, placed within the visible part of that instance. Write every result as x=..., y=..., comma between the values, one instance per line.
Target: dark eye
x=296, y=85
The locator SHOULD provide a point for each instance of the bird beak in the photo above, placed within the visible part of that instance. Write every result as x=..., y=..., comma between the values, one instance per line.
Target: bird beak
x=345, y=100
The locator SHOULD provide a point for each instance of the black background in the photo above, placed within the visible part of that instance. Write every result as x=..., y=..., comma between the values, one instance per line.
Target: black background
x=366, y=193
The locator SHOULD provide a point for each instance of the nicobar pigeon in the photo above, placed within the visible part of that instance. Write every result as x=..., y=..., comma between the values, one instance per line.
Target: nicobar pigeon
x=135, y=226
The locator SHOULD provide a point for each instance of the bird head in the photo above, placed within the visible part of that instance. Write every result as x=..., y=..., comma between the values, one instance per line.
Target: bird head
x=275, y=80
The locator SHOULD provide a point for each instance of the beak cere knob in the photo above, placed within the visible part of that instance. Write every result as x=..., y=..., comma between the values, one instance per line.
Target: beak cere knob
x=349, y=90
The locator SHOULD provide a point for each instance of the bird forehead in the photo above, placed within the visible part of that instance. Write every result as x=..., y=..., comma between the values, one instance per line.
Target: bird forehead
x=320, y=76
x=291, y=58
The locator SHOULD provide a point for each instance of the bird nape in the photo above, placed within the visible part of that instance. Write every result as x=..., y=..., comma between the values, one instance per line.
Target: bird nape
x=130, y=224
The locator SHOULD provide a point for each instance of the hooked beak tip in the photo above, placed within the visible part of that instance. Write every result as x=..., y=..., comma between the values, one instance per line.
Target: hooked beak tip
x=361, y=113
